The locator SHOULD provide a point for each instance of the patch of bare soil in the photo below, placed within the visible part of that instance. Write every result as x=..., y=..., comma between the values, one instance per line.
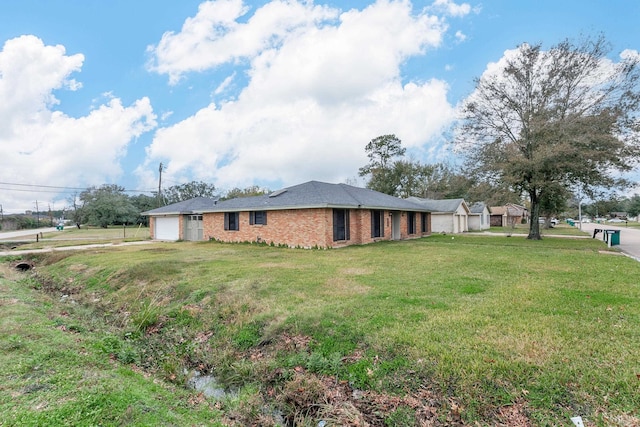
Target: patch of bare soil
x=308, y=396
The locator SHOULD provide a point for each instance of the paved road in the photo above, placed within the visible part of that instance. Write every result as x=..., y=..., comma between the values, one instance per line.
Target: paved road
x=629, y=237
x=31, y=234
x=25, y=233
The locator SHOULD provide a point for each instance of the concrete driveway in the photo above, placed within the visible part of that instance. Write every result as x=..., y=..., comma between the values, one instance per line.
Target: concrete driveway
x=629, y=237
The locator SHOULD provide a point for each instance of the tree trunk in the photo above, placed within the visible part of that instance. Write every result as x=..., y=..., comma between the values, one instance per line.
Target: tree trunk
x=534, y=225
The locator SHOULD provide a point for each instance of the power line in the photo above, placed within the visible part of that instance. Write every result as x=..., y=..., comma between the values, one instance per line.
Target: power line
x=62, y=189
x=35, y=191
x=43, y=186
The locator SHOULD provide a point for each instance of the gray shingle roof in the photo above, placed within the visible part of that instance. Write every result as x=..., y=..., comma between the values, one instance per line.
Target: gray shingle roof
x=195, y=205
x=315, y=194
x=446, y=205
x=477, y=208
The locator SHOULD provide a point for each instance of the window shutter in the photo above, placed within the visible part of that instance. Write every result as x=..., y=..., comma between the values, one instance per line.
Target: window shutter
x=373, y=223
x=347, y=230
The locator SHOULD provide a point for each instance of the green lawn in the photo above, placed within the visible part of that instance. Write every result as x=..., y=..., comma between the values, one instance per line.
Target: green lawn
x=450, y=329
x=562, y=229
x=57, y=369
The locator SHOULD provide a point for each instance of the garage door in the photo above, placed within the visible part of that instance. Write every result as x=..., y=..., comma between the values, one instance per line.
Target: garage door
x=167, y=228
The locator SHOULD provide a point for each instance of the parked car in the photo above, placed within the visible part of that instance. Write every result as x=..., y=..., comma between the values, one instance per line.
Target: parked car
x=543, y=220
x=616, y=220
x=555, y=221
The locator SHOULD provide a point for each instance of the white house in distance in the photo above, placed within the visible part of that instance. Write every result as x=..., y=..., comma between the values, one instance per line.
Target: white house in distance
x=447, y=215
x=479, y=217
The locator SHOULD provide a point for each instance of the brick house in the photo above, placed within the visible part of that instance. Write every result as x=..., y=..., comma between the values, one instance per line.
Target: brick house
x=312, y=214
x=509, y=215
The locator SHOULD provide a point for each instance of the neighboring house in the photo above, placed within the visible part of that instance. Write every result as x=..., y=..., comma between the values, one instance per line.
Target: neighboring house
x=179, y=221
x=447, y=215
x=479, y=217
x=508, y=215
x=313, y=214
x=621, y=215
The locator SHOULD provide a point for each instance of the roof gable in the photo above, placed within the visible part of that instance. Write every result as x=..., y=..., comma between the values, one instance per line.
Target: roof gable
x=197, y=204
x=443, y=206
x=510, y=209
x=478, y=208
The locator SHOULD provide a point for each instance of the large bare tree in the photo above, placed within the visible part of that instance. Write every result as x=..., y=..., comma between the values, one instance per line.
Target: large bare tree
x=566, y=117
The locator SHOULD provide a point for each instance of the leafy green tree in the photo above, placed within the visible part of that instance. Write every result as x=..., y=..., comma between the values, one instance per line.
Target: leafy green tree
x=566, y=117
x=384, y=175
x=633, y=206
x=107, y=205
x=601, y=207
x=553, y=202
x=253, y=190
x=76, y=210
x=190, y=190
x=492, y=194
x=143, y=203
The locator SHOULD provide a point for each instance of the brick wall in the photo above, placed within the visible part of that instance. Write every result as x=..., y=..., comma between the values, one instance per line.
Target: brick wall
x=304, y=228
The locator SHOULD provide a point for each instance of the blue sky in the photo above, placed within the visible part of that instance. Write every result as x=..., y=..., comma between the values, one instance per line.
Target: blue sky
x=268, y=93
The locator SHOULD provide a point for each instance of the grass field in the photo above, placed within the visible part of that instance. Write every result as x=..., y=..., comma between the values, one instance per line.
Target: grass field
x=446, y=330
x=561, y=229
x=73, y=236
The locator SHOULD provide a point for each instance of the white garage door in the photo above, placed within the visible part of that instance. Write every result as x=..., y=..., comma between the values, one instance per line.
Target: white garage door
x=167, y=228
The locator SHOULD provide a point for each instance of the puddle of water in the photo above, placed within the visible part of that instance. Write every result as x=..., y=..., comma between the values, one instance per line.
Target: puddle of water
x=206, y=384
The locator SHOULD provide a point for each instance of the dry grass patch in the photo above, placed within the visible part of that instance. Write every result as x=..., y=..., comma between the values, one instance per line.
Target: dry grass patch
x=344, y=287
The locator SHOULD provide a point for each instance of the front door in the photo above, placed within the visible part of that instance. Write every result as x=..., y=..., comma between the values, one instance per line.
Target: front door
x=395, y=225
x=195, y=230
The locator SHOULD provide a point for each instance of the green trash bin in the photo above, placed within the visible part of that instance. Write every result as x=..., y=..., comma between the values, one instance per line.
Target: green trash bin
x=614, y=237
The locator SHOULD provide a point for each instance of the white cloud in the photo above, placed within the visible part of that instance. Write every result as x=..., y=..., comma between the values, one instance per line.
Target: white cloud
x=214, y=36
x=224, y=85
x=451, y=8
x=630, y=55
x=318, y=91
x=41, y=146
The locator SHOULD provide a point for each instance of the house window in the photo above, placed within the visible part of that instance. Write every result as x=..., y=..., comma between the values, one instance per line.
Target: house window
x=424, y=222
x=231, y=221
x=258, y=218
x=340, y=224
x=411, y=223
x=377, y=223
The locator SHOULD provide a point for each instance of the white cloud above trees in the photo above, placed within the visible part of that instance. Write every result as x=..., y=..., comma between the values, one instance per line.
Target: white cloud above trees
x=41, y=145
x=321, y=84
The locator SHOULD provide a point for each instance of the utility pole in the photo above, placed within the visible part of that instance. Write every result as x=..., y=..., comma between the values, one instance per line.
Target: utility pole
x=1, y=214
x=160, y=185
x=37, y=214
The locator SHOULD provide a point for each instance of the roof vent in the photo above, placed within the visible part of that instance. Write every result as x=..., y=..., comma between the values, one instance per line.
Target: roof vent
x=278, y=192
